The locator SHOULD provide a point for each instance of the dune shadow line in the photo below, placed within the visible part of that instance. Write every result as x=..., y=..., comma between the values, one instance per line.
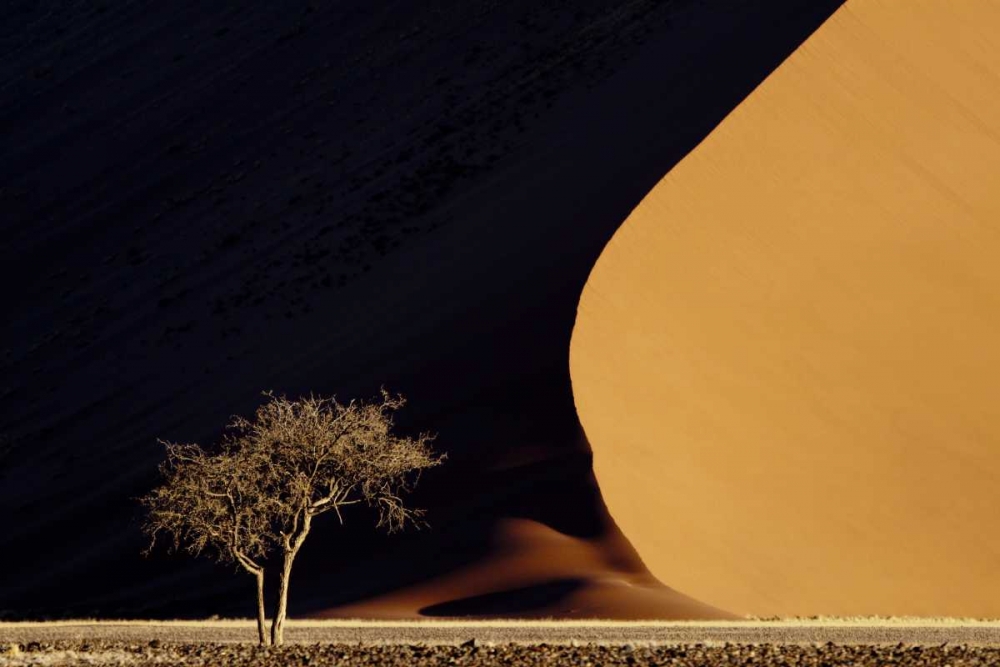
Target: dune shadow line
x=507, y=602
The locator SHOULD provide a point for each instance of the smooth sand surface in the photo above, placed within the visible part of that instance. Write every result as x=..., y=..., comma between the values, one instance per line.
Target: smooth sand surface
x=786, y=360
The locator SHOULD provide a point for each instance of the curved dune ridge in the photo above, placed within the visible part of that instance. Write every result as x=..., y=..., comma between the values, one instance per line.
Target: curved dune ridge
x=786, y=359
x=201, y=201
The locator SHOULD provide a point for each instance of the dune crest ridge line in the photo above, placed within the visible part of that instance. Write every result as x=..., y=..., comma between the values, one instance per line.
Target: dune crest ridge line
x=203, y=201
x=785, y=359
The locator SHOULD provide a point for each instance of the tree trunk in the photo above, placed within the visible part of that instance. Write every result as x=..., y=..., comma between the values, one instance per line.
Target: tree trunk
x=261, y=619
x=278, y=624
x=291, y=549
x=257, y=571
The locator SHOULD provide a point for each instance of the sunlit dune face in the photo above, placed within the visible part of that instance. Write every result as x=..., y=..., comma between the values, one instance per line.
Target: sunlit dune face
x=787, y=360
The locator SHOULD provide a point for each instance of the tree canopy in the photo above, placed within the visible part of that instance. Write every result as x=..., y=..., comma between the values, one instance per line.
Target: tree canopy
x=258, y=492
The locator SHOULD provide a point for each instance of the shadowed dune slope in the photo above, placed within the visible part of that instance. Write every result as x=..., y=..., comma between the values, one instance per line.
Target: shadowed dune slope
x=786, y=359
x=200, y=201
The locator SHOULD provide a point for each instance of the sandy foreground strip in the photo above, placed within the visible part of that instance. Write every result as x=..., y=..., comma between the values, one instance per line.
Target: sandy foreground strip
x=511, y=655
x=916, y=632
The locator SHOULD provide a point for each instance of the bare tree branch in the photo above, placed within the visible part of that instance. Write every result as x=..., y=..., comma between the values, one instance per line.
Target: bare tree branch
x=272, y=474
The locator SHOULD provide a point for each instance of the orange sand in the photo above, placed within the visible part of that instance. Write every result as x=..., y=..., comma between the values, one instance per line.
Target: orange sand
x=787, y=359
x=534, y=571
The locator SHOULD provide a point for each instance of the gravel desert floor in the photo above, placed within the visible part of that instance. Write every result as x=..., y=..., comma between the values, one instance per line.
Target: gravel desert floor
x=516, y=643
x=120, y=653
x=923, y=632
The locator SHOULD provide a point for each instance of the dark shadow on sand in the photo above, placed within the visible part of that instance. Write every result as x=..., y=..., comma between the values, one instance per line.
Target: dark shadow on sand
x=513, y=602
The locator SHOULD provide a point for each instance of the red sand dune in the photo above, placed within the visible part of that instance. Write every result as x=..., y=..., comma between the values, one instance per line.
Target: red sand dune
x=532, y=570
x=201, y=201
x=786, y=359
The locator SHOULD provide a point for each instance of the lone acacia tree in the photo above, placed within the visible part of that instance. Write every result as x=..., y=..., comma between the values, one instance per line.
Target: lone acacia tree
x=295, y=460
